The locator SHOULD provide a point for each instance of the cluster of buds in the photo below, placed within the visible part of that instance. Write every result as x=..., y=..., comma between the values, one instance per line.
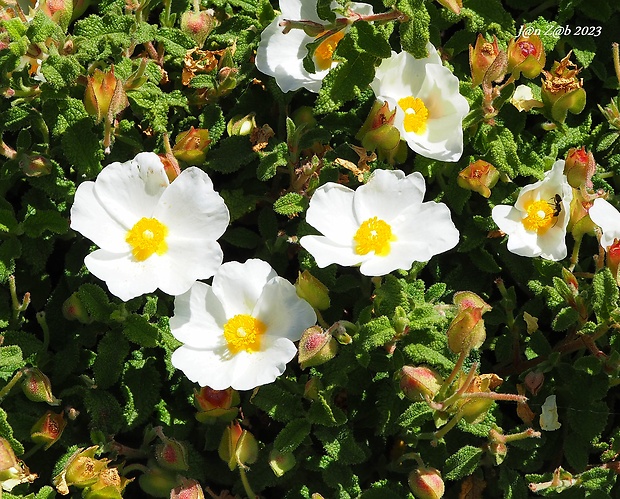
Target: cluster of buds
x=562, y=91
x=480, y=176
x=379, y=134
x=216, y=405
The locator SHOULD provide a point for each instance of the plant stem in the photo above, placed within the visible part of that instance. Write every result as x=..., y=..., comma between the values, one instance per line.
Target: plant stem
x=7, y=388
x=246, y=485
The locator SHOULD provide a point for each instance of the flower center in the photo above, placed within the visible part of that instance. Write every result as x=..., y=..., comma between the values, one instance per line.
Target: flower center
x=325, y=51
x=527, y=48
x=416, y=114
x=243, y=332
x=540, y=216
x=146, y=237
x=373, y=235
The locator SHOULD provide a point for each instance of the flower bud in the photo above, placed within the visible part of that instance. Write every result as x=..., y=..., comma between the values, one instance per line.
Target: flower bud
x=216, y=405
x=105, y=96
x=197, y=25
x=59, y=11
x=612, y=112
x=419, y=382
x=48, y=429
x=109, y=485
x=534, y=381
x=562, y=91
x=467, y=332
x=241, y=125
x=189, y=489
x=526, y=55
x=312, y=290
x=481, y=57
x=237, y=447
x=613, y=259
x=579, y=167
x=281, y=462
x=479, y=177
x=580, y=222
x=312, y=388
x=304, y=116
x=157, y=482
x=227, y=80
x=316, y=347
x=170, y=453
x=12, y=470
x=73, y=309
x=453, y=5
x=35, y=165
x=426, y=483
x=191, y=146
x=37, y=387
x=523, y=99
x=81, y=469
x=171, y=166
x=379, y=134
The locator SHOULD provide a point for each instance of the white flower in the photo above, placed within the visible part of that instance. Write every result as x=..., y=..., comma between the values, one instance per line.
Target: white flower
x=429, y=108
x=536, y=224
x=152, y=233
x=383, y=225
x=523, y=99
x=281, y=55
x=603, y=214
x=238, y=332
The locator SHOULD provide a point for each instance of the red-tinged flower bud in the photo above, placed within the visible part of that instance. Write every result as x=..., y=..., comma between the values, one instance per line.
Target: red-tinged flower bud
x=526, y=55
x=37, y=387
x=227, y=80
x=110, y=485
x=171, y=166
x=158, y=482
x=198, y=25
x=237, y=447
x=480, y=176
x=534, y=381
x=170, y=453
x=379, y=134
x=281, y=462
x=562, y=91
x=192, y=146
x=35, y=165
x=498, y=450
x=579, y=167
x=48, y=429
x=241, y=125
x=59, y=11
x=481, y=59
x=466, y=332
x=73, y=310
x=316, y=347
x=419, y=382
x=613, y=259
x=189, y=489
x=312, y=388
x=453, y=5
x=426, y=483
x=105, y=96
x=216, y=405
x=468, y=299
x=312, y=290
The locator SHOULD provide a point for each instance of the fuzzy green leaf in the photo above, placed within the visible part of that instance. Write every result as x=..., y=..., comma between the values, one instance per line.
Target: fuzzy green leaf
x=414, y=33
x=238, y=203
x=374, y=334
x=340, y=444
x=138, y=330
x=421, y=354
x=104, y=410
x=175, y=41
x=61, y=71
x=42, y=221
x=271, y=161
x=488, y=15
x=415, y=415
x=324, y=413
x=605, y=293
x=100, y=37
x=9, y=251
x=232, y=153
x=324, y=10
x=290, y=204
x=141, y=387
x=96, y=301
x=292, y=435
x=6, y=431
x=111, y=353
x=11, y=360
x=279, y=404
x=82, y=148
x=464, y=462
x=241, y=237
x=564, y=319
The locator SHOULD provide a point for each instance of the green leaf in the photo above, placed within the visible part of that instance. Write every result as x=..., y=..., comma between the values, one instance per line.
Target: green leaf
x=488, y=15
x=374, y=334
x=238, y=202
x=41, y=221
x=61, y=71
x=111, y=353
x=98, y=38
x=414, y=33
x=96, y=302
x=141, y=387
x=271, y=161
x=241, y=237
x=359, y=52
x=290, y=204
x=421, y=354
x=415, y=415
x=324, y=413
x=340, y=444
x=565, y=318
x=605, y=293
x=279, y=404
x=292, y=435
x=6, y=431
x=82, y=148
x=464, y=462
x=104, y=411
x=232, y=153
x=138, y=330
x=324, y=10
x=11, y=360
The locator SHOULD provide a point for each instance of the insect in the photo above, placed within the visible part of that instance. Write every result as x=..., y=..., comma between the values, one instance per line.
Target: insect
x=557, y=205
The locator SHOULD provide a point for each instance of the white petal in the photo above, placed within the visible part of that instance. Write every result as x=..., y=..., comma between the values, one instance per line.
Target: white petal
x=203, y=366
x=89, y=218
x=326, y=252
x=125, y=277
x=282, y=311
x=607, y=218
x=331, y=213
x=552, y=244
x=198, y=318
x=549, y=415
x=238, y=286
x=387, y=193
x=192, y=209
x=131, y=190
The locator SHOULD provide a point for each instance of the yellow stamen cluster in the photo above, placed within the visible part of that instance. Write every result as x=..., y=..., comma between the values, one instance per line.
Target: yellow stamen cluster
x=146, y=237
x=416, y=114
x=244, y=332
x=324, y=53
x=373, y=235
x=540, y=216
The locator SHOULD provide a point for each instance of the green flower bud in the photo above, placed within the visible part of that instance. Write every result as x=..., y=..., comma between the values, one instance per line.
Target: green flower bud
x=281, y=462
x=480, y=176
x=216, y=405
x=192, y=145
x=157, y=482
x=562, y=91
x=312, y=290
x=481, y=58
x=110, y=485
x=426, y=483
x=37, y=387
x=241, y=125
x=170, y=453
x=526, y=55
x=237, y=447
x=316, y=347
x=35, y=165
x=48, y=429
x=73, y=310
x=419, y=382
x=198, y=25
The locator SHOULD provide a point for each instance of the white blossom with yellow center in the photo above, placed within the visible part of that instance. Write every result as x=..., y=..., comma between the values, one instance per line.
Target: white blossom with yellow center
x=536, y=224
x=152, y=233
x=281, y=55
x=382, y=226
x=429, y=108
x=239, y=332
